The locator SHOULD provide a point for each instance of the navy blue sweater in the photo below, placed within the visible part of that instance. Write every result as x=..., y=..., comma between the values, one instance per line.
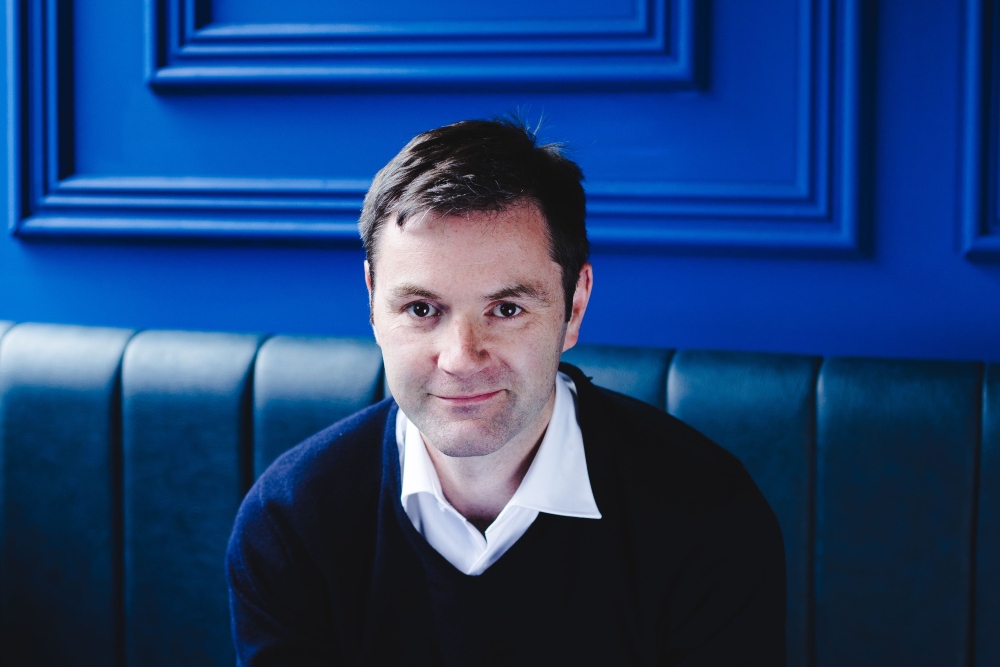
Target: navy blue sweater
x=686, y=567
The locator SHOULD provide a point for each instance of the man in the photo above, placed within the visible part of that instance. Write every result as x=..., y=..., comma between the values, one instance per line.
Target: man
x=499, y=509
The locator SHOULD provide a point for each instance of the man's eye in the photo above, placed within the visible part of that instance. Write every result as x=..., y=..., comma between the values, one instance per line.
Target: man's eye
x=421, y=309
x=506, y=310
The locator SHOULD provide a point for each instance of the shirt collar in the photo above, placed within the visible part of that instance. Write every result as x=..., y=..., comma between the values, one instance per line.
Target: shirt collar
x=417, y=469
x=557, y=481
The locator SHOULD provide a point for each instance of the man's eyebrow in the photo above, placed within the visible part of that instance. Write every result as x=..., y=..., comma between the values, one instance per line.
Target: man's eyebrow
x=406, y=290
x=520, y=290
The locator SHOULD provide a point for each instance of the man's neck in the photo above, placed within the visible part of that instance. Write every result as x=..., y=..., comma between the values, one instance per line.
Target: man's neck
x=479, y=487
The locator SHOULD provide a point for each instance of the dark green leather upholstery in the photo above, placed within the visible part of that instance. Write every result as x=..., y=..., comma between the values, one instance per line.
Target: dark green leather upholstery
x=186, y=410
x=302, y=385
x=896, y=464
x=635, y=371
x=59, y=424
x=124, y=461
x=987, y=590
x=762, y=407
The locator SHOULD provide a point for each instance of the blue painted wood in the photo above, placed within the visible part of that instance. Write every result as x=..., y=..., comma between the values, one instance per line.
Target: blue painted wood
x=262, y=14
x=655, y=45
x=60, y=578
x=816, y=211
x=980, y=226
x=186, y=430
x=712, y=207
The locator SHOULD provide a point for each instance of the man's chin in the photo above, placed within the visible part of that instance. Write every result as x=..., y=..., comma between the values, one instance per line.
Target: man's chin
x=466, y=439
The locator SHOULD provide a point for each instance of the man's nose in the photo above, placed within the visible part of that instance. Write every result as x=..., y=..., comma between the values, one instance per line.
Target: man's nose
x=462, y=352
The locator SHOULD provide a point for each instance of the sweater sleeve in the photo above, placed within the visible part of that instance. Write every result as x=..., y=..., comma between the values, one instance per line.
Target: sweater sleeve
x=276, y=596
x=728, y=605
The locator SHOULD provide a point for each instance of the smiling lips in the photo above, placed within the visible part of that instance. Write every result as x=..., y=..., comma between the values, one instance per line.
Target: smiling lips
x=471, y=399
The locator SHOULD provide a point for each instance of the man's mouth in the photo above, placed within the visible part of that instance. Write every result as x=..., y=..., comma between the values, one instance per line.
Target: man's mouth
x=468, y=399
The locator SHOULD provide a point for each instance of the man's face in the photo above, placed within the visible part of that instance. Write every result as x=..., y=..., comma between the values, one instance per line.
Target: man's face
x=470, y=316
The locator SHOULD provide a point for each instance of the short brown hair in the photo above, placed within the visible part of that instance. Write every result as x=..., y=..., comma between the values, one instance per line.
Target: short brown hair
x=483, y=166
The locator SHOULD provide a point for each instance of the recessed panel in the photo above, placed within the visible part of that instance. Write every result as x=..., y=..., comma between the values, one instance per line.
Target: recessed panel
x=981, y=132
x=762, y=155
x=383, y=44
x=238, y=12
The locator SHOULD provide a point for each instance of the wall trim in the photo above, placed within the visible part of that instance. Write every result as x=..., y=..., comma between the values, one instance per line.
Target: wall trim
x=979, y=223
x=817, y=212
x=655, y=47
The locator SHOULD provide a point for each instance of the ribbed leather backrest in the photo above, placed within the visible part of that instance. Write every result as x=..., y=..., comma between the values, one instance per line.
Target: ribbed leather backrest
x=896, y=463
x=302, y=385
x=124, y=461
x=639, y=372
x=186, y=436
x=987, y=590
x=761, y=407
x=59, y=425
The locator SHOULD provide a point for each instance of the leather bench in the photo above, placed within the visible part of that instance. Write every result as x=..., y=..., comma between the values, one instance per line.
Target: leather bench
x=125, y=456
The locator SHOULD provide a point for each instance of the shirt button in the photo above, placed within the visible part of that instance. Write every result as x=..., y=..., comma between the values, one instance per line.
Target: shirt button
x=441, y=507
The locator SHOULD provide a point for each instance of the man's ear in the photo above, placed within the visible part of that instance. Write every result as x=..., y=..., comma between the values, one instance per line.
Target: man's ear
x=371, y=296
x=581, y=297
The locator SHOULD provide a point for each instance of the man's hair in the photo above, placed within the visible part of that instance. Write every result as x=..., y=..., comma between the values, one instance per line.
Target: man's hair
x=478, y=166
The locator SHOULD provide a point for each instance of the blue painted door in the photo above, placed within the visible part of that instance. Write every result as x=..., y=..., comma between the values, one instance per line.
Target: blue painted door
x=792, y=175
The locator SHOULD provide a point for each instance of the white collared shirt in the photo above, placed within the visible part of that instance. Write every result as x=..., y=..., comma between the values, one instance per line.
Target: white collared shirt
x=557, y=482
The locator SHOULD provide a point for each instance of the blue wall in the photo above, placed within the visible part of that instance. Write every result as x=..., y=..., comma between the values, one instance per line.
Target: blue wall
x=778, y=175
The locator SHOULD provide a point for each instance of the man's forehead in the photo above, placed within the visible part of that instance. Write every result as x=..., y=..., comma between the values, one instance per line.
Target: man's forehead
x=469, y=256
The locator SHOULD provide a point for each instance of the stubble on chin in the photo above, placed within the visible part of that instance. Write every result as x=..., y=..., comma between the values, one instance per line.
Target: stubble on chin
x=477, y=430
x=464, y=435
x=470, y=435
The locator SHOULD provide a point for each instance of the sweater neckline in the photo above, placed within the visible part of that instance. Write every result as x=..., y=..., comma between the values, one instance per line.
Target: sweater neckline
x=539, y=528
x=391, y=484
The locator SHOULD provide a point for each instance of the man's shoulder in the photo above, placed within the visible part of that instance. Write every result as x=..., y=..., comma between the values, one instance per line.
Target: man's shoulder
x=662, y=435
x=661, y=455
x=341, y=463
x=308, y=523
x=689, y=494
x=702, y=532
